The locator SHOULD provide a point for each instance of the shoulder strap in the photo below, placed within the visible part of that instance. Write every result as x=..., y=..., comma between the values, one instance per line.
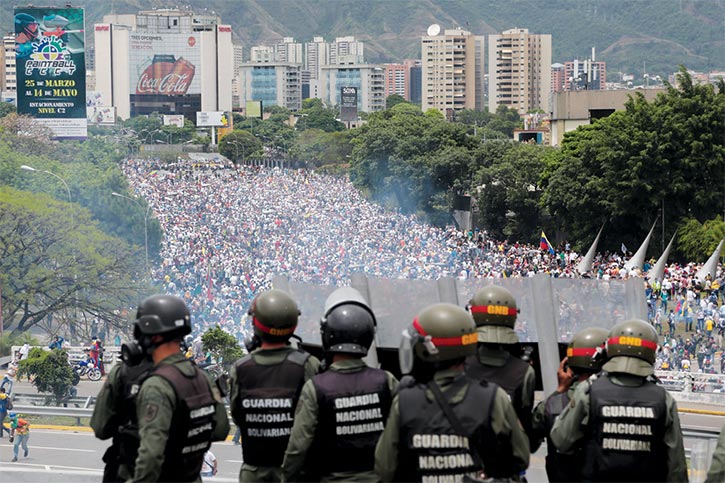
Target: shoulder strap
x=298, y=357
x=177, y=379
x=243, y=360
x=453, y=419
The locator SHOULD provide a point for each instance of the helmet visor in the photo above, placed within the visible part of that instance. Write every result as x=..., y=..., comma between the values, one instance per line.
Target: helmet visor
x=406, y=354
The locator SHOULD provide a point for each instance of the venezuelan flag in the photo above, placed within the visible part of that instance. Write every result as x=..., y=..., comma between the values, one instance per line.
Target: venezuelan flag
x=545, y=245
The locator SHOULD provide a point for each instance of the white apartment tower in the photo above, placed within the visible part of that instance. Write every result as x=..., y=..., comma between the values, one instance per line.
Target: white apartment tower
x=519, y=71
x=8, y=76
x=452, y=71
x=346, y=50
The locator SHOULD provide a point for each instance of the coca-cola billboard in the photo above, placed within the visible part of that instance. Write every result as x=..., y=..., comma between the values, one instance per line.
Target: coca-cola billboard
x=164, y=64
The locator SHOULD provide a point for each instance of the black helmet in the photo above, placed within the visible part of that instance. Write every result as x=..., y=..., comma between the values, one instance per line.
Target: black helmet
x=162, y=315
x=274, y=316
x=582, y=348
x=632, y=348
x=494, y=310
x=348, y=325
x=441, y=332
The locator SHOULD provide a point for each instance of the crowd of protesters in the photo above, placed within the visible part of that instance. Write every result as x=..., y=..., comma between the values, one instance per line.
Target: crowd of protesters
x=229, y=229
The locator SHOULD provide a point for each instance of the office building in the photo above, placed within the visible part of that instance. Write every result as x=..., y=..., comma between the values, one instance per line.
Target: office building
x=519, y=71
x=452, y=70
x=367, y=78
x=273, y=83
x=165, y=61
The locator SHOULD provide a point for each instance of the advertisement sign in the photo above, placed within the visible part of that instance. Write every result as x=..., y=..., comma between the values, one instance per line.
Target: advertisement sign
x=102, y=115
x=164, y=64
x=174, y=120
x=51, y=68
x=212, y=118
x=348, y=103
x=253, y=109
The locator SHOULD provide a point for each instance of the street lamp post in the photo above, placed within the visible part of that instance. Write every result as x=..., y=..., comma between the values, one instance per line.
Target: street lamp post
x=145, y=223
x=67, y=189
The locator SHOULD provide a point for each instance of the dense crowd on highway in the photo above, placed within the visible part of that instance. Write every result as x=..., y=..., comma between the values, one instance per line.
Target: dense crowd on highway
x=229, y=229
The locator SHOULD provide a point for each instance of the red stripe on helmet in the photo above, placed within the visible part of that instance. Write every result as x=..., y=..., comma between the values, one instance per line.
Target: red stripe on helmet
x=493, y=310
x=272, y=330
x=634, y=341
x=580, y=351
x=464, y=339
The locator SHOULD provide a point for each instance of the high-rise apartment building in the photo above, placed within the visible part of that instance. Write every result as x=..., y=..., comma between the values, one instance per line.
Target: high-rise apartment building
x=451, y=71
x=557, y=77
x=519, y=71
x=316, y=55
x=238, y=53
x=8, y=77
x=165, y=61
x=414, y=80
x=396, y=80
x=346, y=51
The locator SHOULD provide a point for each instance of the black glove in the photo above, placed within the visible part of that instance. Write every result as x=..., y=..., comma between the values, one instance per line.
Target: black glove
x=12, y=438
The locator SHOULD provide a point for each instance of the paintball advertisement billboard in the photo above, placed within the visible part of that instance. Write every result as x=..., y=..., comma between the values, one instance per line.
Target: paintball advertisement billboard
x=164, y=64
x=51, y=68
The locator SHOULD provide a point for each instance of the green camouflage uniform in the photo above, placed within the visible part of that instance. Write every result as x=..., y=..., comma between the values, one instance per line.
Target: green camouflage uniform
x=570, y=428
x=303, y=431
x=155, y=406
x=266, y=357
x=108, y=413
x=539, y=431
x=504, y=423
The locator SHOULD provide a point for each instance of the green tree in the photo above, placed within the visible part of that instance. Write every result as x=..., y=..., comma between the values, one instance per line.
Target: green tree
x=55, y=261
x=51, y=372
x=222, y=345
x=393, y=100
x=508, y=189
x=315, y=148
x=624, y=168
x=240, y=145
x=7, y=108
x=412, y=160
x=696, y=241
x=318, y=117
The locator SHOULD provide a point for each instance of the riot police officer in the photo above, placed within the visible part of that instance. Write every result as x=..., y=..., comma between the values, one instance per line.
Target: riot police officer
x=114, y=414
x=179, y=409
x=494, y=311
x=341, y=412
x=584, y=357
x=266, y=385
x=626, y=425
x=450, y=427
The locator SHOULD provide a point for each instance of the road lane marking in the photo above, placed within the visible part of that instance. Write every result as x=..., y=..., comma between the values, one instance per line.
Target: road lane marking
x=33, y=447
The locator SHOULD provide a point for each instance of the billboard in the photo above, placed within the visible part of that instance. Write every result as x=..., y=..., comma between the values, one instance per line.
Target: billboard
x=348, y=103
x=51, y=68
x=253, y=109
x=212, y=119
x=173, y=120
x=164, y=64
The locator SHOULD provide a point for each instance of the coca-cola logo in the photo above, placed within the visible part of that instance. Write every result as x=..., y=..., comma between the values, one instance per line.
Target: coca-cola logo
x=171, y=84
x=224, y=28
x=102, y=28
